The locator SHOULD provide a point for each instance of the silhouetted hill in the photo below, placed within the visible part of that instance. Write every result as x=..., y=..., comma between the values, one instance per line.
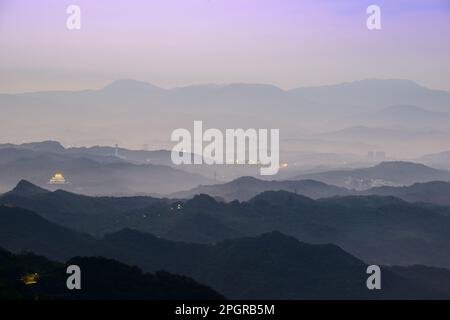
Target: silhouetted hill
x=270, y=266
x=436, y=279
x=245, y=188
x=23, y=230
x=27, y=189
x=101, y=279
x=44, y=146
x=435, y=192
x=395, y=173
x=129, y=86
x=41, y=146
x=380, y=229
x=377, y=229
x=95, y=215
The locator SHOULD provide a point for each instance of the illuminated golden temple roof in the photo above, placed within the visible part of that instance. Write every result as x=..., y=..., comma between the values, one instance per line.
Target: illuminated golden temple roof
x=57, y=178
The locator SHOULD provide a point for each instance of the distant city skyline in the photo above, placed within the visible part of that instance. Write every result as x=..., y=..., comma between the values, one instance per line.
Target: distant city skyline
x=179, y=43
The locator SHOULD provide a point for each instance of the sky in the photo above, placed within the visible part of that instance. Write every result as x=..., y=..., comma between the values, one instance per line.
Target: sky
x=288, y=43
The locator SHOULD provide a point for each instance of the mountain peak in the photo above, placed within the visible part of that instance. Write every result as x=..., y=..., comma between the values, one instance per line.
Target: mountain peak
x=201, y=201
x=245, y=180
x=277, y=236
x=129, y=84
x=44, y=146
x=282, y=197
x=26, y=188
x=402, y=165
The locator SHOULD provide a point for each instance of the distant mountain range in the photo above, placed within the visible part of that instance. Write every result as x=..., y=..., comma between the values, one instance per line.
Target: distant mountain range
x=377, y=180
x=98, y=153
x=124, y=111
x=377, y=229
x=375, y=93
x=245, y=188
x=109, y=158
x=394, y=173
x=110, y=171
x=435, y=192
x=96, y=171
x=216, y=231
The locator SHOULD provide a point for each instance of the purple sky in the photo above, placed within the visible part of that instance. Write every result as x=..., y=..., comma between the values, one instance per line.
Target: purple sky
x=289, y=43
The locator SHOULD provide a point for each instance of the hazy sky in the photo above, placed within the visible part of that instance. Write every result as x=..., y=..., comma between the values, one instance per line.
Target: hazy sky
x=169, y=43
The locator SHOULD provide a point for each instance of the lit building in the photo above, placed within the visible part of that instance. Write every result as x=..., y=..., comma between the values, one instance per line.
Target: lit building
x=57, y=178
x=30, y=278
